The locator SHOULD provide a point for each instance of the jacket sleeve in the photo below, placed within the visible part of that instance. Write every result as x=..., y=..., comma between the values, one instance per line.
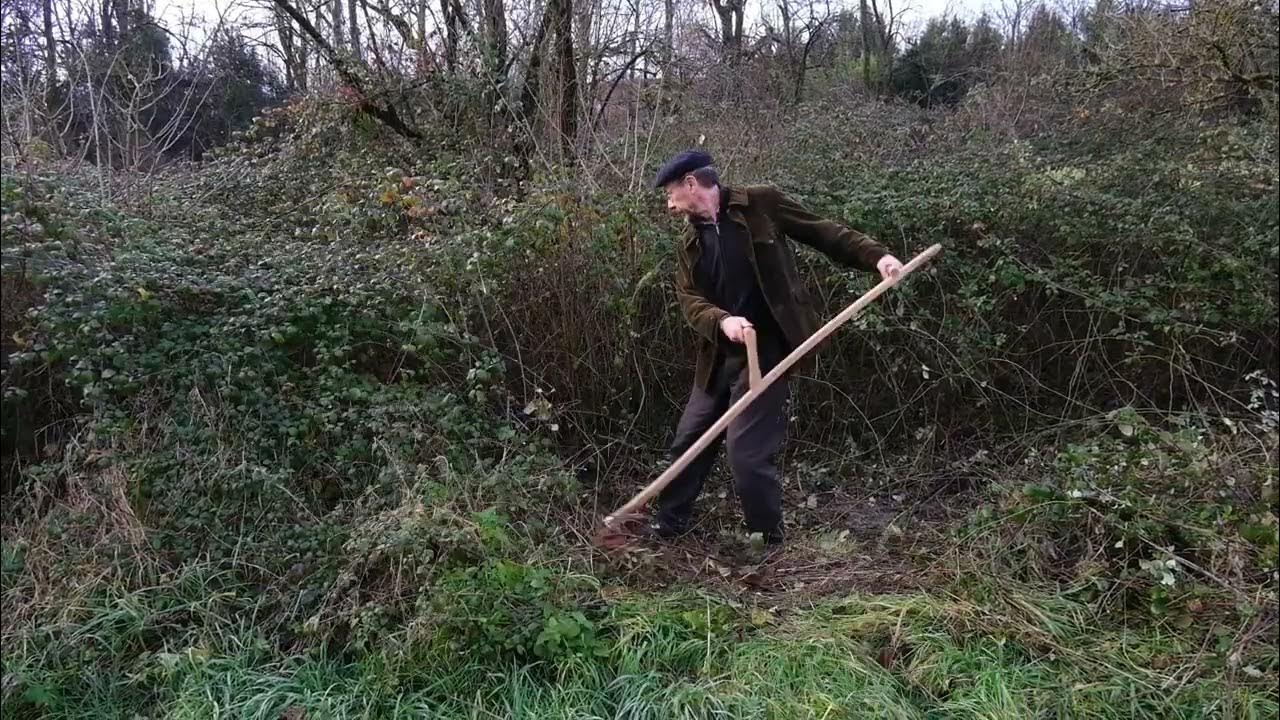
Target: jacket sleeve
x=838, y=242
x=702, y=314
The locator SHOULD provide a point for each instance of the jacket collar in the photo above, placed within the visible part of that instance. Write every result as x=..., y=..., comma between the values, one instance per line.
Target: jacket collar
x=736, y=197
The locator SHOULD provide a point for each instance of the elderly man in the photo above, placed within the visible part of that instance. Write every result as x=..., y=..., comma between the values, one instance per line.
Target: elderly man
x=737, y=270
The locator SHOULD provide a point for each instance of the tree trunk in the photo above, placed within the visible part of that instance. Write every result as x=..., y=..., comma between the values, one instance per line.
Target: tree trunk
x=586, y=15
x=22, y=60
x=284, y=32
x=495, y=36
x=726, y=25
x=635, y=33
x=124, y=124
x=730, y=12
x=339, y=39
x=321, y=76
x=803, y=70
x=567, y=67
x=353, y=23
x=108, y=24
x=788, y=32
x=294, y=51
x=122, y=19
x=864, y=19
x=50, y=54
x=301, y=59
x=450, y=35
x=494, y=27
x=668, y=36
x=533, y=73
x=883, y=29
x=422, y=36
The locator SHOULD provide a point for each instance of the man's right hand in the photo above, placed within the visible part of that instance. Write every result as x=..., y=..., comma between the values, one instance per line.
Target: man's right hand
x=733, y=326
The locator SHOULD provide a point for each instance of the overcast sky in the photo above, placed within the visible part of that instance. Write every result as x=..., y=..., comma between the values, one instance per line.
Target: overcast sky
x=916, y=11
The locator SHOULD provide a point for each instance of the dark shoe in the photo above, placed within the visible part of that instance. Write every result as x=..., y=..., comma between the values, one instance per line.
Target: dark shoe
x=773, y=539
x=664, y=530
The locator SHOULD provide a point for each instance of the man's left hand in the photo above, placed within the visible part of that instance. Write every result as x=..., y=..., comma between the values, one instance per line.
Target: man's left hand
x=889, y=266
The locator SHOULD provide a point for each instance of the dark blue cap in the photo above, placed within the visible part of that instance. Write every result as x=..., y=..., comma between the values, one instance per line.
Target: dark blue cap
x=680, y=165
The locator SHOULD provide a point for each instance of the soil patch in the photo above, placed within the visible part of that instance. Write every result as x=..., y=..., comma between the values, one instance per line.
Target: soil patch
x=843, y=537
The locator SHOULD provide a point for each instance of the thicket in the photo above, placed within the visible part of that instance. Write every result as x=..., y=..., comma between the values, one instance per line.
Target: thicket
x=316, y=426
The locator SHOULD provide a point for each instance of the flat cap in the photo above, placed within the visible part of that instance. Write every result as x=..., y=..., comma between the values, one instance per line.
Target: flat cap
x=679, y=165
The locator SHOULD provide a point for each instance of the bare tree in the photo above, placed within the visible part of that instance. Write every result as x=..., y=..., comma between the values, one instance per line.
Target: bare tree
x=421, y=19
x=802, y=26
x=50, y=51
x=730, y=13
x=566, y=67
x=293, y=51
x=353, y=23
x=382, y=111
x=1012, y=13
x=864, y=24
x=881, y=38
x=339, y=12
x=668, y=36
x=495, y=41
x=530, y=92
x=1219, y=55
x=453, y=19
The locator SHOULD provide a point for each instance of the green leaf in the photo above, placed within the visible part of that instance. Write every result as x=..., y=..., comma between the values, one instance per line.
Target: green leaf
x=1261, y=535
x=1039, y=493
x=40, y=696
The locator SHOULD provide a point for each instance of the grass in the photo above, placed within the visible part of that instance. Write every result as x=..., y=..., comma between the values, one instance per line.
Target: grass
x=94, y=628
x=190, y=647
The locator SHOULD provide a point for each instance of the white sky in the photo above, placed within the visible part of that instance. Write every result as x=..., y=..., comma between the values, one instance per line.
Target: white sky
x=922, y=10
x=915, y=12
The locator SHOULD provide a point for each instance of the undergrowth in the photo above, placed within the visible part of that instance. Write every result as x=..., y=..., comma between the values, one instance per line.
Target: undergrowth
x=315, y=430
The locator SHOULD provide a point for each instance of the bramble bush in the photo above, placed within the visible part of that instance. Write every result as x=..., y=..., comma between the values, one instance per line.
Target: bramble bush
x=1138, y=518
x=256, y=390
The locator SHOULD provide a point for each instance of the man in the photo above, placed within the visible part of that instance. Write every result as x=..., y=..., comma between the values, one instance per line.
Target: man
x=736, y=270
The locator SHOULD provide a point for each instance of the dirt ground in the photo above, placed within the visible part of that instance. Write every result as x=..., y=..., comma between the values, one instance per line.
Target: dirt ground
x=845, y=535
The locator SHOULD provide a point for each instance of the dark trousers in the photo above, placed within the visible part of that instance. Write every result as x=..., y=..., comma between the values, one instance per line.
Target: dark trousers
x=753, y=437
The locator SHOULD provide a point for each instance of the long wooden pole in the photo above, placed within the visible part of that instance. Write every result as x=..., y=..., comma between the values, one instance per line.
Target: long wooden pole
x=756, y=389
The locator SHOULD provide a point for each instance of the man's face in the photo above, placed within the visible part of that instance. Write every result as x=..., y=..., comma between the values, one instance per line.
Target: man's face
x=683, y=197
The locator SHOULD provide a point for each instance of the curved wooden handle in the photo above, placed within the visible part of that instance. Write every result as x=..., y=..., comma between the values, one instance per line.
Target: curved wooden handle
x=757, y=388
x=753, y=358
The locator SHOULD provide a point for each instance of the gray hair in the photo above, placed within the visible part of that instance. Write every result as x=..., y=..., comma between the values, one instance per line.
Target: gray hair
x=706, y=176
